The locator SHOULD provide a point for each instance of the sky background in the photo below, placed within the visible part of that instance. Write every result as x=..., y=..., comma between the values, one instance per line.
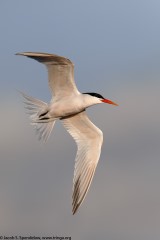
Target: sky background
x=115, y=46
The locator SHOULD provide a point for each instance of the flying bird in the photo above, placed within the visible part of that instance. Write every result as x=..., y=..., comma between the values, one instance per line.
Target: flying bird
x=68, y=105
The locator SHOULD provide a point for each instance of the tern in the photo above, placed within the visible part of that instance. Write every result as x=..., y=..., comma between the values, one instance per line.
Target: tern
x=68, y=105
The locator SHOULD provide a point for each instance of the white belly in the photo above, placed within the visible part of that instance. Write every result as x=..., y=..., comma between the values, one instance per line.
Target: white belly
x=66, y=107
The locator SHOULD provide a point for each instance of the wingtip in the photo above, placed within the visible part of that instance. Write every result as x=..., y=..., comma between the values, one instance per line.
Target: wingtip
x=38, y=54
x=20, y=54
x=46, y=57
x=17, y=53
x=23, y=53
x=74, y=210
x=73, y=213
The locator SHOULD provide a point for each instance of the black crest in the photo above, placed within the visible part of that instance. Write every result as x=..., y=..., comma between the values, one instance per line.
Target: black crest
x=95, y=95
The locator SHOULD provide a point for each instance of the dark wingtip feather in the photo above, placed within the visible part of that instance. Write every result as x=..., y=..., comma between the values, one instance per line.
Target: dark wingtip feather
x=75, y=196
x=46, y=57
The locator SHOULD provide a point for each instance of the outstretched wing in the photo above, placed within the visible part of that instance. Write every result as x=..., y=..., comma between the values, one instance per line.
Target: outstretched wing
x=60, y=72
x=89, y=140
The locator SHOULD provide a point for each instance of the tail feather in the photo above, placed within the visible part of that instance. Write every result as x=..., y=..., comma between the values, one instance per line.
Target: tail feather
x=37, y=108
x=43, y=130
x=33, y=105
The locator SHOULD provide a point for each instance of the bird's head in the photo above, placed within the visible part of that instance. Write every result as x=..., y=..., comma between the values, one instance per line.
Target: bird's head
x=101, y=99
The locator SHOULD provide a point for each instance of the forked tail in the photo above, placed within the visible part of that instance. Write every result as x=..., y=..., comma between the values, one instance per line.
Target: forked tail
x=38, y=110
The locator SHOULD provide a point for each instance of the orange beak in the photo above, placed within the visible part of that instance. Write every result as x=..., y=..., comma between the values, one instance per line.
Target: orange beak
x=109, y=102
